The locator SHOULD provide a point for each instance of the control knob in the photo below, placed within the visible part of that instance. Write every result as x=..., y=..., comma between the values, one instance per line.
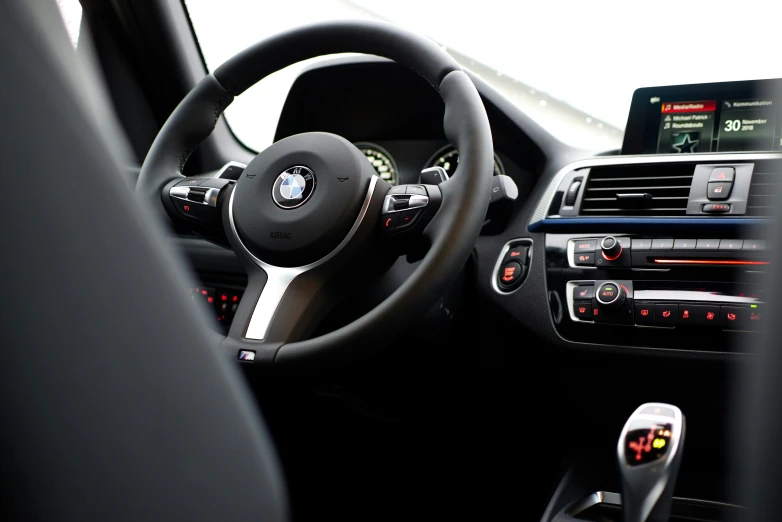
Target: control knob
x=611, y=248
x=610, y=295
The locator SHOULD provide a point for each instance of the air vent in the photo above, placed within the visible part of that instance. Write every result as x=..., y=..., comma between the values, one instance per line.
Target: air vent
x=763, y=192
x=637, y=190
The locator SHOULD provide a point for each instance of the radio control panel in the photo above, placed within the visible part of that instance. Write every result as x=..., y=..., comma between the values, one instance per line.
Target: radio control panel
x=616, y=302
x=659, y=252
x=690, y=292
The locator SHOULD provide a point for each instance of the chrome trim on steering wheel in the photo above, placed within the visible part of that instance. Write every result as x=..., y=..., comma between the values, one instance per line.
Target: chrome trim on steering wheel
x=280, y=277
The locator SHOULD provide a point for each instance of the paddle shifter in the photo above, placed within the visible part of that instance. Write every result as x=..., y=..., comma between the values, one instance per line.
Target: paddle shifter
x=650, y=450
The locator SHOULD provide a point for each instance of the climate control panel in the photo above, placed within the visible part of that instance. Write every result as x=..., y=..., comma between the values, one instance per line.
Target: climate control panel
x=602, y=301
x=617, y=302
x=693, y=291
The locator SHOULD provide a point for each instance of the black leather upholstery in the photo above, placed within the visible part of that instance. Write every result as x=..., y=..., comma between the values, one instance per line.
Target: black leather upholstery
x=112, y=404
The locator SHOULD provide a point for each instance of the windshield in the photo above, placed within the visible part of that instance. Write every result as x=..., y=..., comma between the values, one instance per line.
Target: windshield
x=572, y=67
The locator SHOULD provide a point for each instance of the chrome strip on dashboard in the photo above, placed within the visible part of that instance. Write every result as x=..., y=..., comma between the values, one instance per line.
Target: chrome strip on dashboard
x=691, y=296
x=551, y=190
x=279, y=278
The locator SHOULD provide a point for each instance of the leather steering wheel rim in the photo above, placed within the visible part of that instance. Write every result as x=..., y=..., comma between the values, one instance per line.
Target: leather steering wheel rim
x=452, y=233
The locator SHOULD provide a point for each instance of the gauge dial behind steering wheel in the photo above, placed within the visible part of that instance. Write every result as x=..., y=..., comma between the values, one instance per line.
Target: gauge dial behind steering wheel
x=448, y=159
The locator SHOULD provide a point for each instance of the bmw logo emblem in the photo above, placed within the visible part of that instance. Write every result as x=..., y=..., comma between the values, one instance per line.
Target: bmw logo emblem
x=293, y=187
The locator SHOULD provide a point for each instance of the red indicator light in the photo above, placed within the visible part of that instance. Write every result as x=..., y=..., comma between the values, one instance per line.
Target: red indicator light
x=582, y=293
x=615, y=257
x=582, y=309
x=584, y=246
x=224, y=297
x=210, y=299
x=709, y=316
x=508, y=276
x=515, y=254
x=203, y=292
x=686, y=314
x=731, y=317
x=644, y=445
x=644, y=312
x=186, y=208
x=666, y=313
x=595, y=311
x=235, y=298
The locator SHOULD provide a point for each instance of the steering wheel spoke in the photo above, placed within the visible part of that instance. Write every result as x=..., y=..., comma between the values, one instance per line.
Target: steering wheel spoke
x=280, y=305
x=195, y=203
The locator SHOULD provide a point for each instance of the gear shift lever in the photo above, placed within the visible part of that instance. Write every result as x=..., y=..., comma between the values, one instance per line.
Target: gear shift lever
x=650, y=450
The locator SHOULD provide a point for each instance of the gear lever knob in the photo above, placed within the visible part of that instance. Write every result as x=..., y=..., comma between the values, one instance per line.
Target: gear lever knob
x=649, y=451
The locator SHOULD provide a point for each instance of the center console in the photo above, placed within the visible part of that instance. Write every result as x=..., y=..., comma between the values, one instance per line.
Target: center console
x=657, y=251
x=663, y=247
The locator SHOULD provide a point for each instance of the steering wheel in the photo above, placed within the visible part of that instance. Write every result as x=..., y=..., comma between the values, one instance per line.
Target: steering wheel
x=308, y=214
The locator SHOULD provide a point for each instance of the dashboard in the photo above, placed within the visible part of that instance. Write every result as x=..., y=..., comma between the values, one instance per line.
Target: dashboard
x=642, y=250
x=395, y=118
x=645, y=252
x=660, y=253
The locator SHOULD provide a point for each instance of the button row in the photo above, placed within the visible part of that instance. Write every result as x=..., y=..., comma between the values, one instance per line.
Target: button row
x=408, y=189
x=399, y=220
x=593, y=245
x=673, y=314
x=607, y=252
x=402, y=207
x=697, y=244
x=720, y=183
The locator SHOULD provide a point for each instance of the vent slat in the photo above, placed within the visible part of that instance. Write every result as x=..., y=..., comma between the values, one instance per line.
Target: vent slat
x=763, y=197
x=668, y=186
x=598, y=180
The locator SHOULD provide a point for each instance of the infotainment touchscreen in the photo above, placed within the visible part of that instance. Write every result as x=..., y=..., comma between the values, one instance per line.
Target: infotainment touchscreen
x=713, y=117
